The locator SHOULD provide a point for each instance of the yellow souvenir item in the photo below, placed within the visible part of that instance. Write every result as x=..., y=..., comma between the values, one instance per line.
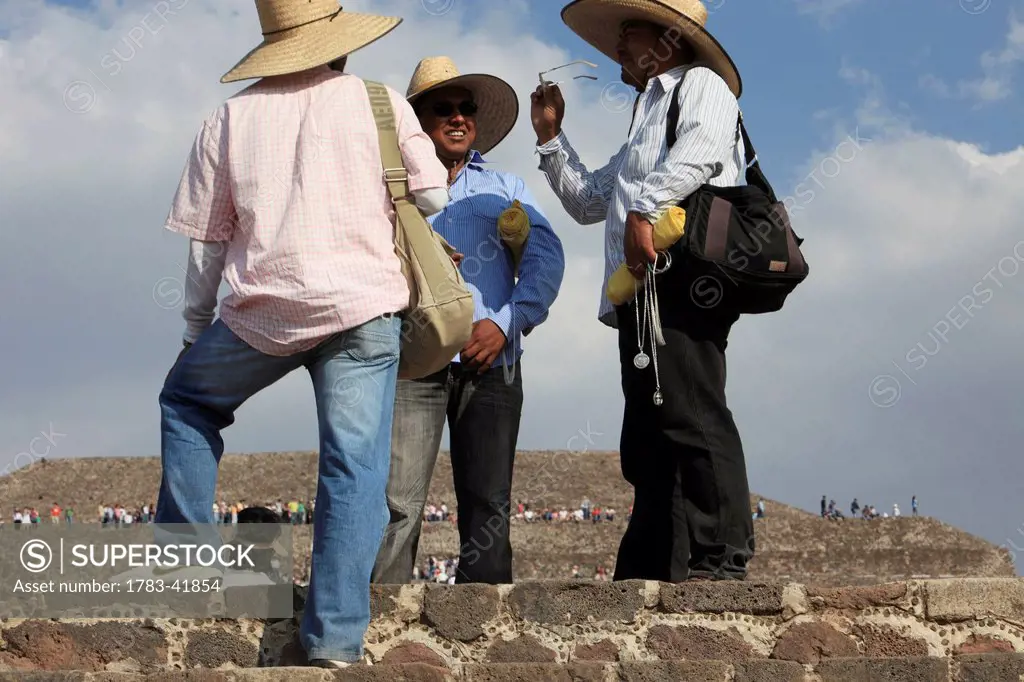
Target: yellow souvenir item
x=514, y=228
x=667, y=231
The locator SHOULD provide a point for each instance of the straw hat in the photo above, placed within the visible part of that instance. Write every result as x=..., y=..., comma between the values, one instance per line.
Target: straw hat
x=302, y=34
x=599, y=22
x=497, y=103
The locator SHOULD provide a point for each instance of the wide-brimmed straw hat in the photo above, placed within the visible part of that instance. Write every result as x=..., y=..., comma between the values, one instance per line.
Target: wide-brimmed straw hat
x=599, y=23
x=496, y=100
x=302, y=34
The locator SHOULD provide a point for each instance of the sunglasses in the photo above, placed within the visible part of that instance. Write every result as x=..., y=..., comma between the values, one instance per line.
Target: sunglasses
x=445, y=109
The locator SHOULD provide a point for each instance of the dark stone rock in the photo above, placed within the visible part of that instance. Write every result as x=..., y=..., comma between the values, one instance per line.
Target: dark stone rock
x=214, y=648
x=812, y=642
x=691, y=671
x=460, y=613
x=410, y=672
x=383, y=600
x=605, y=650
x=720, y=596
x=769, y=671
x=989, y=667
x=533, y=672
x=413, y=652
x=984, y=644
x=46, y=645
x=573, y=603
x=886, y=642
x=522, y=649
x=857, y=598
x=922, y=669
x=676, y=643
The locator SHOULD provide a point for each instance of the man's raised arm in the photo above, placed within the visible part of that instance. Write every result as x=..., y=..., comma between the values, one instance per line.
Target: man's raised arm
x=585, y=195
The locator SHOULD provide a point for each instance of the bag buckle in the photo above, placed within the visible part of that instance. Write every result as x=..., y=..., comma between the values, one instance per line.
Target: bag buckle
x=395, y=175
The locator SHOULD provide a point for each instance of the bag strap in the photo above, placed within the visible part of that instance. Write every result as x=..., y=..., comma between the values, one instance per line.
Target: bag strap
x=754, y=175
x=413, y=234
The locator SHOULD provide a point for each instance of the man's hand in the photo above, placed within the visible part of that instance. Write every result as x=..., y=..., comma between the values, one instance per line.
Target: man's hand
x=546, y=111
x=457, y=259
x=483, y=347
x=639, y=244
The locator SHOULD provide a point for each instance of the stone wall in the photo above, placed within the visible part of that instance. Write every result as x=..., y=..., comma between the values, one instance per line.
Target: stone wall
x=955, y=630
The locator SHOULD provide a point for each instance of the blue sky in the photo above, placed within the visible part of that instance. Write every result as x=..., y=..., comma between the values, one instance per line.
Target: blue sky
x=895, y=240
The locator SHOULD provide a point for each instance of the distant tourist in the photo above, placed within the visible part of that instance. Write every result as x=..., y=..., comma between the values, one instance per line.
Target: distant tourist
x=316, y=284
x=854, y=507
x=913, y=505
x=895, y=509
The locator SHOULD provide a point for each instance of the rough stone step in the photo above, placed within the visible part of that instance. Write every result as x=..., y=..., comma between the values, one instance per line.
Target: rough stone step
x=973, y=668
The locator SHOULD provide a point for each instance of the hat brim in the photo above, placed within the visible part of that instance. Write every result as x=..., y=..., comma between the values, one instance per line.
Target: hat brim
x=312, y=45
x=497, y=106
x=599, y=22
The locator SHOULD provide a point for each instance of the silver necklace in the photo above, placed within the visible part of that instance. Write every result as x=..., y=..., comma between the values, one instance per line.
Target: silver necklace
x=641, y=360
x=651, y=316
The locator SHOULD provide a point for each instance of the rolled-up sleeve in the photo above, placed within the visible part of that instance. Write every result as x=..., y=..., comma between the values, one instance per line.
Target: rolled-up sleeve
x=203, y=207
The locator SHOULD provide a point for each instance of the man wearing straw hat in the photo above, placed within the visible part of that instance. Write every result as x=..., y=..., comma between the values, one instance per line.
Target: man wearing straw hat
x=481, y=391
x=283, y=193
x=680, y=448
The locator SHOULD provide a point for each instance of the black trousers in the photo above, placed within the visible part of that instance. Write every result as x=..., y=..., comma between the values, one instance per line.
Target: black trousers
x=684, y=458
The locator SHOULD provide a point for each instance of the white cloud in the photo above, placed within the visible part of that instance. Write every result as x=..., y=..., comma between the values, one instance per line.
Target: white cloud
x=998, y=68
x=899, y=230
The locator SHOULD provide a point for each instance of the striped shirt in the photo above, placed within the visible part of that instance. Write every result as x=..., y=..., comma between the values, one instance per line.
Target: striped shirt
x=288, y=173
x=642, y=177
x=470, y=224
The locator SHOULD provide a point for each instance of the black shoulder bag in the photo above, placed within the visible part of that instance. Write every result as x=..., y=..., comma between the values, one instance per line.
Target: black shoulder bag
x=738, y=253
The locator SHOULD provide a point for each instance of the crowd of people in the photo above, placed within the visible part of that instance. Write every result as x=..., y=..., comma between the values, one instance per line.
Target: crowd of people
x=522, y=511
x=830, y=511
x=295, y=512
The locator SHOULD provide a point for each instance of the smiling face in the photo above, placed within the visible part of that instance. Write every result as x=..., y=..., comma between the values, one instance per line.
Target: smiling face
x=448, y=116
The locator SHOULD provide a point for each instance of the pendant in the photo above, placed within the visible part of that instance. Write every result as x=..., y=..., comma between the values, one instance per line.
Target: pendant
x=658, y=400
x=641, y=360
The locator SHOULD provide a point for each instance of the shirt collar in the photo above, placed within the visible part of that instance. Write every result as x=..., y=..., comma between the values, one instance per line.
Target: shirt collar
x=475, y=158
x=668, y=80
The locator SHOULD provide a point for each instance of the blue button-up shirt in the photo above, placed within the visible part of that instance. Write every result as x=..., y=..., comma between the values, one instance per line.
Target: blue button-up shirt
x=470, y=224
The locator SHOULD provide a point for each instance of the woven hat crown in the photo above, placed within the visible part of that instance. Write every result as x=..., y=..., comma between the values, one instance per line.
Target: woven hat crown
x=278, y=16
x=694, y=10
x=430, y=71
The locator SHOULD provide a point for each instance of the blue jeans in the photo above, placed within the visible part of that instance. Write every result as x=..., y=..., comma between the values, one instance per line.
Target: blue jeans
x=354, y=375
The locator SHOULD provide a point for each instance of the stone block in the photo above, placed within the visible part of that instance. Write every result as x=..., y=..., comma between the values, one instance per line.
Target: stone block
x=921, y=669
x=961, y=599
x=383, y=600
x=412, y=672
x=983, y=644
x=460, y=613
x=768, y=671
x=673, y=643
x=990, y=667
x=533, y=672
x=690, y=671
x=887, y=642
x=522, y=649
x=413, y=652
x=721, y=596
x=213, y=648
x=573, y=603
x=857, y=598
x=48, y=645
x=605, y=650
x=809, y=643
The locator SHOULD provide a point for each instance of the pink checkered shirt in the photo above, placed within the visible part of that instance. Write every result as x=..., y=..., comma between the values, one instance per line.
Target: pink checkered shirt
x=289, y=171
